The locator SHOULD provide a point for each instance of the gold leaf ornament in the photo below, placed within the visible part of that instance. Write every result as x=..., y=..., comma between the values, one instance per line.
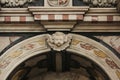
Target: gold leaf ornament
x=100, y=53
x=75, y=42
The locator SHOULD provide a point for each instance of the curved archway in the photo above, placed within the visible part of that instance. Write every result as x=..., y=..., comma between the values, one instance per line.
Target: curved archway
x=79, y=44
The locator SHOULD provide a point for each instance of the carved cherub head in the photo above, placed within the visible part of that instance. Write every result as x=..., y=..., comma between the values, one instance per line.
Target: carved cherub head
x=58, y=39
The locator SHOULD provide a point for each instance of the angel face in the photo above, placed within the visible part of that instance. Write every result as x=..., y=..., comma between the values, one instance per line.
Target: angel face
x=58, y=40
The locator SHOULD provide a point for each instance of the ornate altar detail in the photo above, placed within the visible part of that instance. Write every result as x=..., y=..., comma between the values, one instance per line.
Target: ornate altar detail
x=58, y=2
x=14, y=3
x=101, y=3
x=59, y=41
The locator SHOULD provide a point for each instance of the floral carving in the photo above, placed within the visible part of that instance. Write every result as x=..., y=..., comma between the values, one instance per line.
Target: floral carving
x=14, y=3
x=59, y=41
x=101, y=3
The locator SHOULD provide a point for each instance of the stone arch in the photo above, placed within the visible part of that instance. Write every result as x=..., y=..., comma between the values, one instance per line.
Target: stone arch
x=81, y=45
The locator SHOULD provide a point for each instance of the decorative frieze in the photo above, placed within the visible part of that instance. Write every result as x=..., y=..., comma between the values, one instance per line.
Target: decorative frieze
x=101, y=3
x=14, y=3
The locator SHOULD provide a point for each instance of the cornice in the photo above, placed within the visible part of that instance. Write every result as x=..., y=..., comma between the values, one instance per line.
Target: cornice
x=75, y=19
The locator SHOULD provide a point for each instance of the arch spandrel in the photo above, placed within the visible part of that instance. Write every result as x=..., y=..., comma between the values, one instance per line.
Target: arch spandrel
x=79, y=44
x=96, y=52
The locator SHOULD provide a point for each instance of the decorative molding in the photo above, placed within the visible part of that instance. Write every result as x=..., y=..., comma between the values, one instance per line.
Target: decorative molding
x=59, y=41
x=15, y=15
x=59, y=19
x=66, y=17
x=102, y=15
x=103, y=26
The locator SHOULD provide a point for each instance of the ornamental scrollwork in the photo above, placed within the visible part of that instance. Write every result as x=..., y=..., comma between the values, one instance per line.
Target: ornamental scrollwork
x=101, y=3
x=14, y=3
x=59, y=41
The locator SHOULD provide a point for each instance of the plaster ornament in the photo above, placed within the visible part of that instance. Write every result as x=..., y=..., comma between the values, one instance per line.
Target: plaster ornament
x=14, y=3
x=59, y=41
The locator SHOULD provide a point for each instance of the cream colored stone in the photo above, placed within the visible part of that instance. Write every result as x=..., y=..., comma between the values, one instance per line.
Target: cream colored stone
x=4, y=42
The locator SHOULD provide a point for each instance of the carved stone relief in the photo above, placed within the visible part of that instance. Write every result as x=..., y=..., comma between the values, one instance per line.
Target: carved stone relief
x=59, y=41
x=101, y=3
x=14, y=3
x=58, y=2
